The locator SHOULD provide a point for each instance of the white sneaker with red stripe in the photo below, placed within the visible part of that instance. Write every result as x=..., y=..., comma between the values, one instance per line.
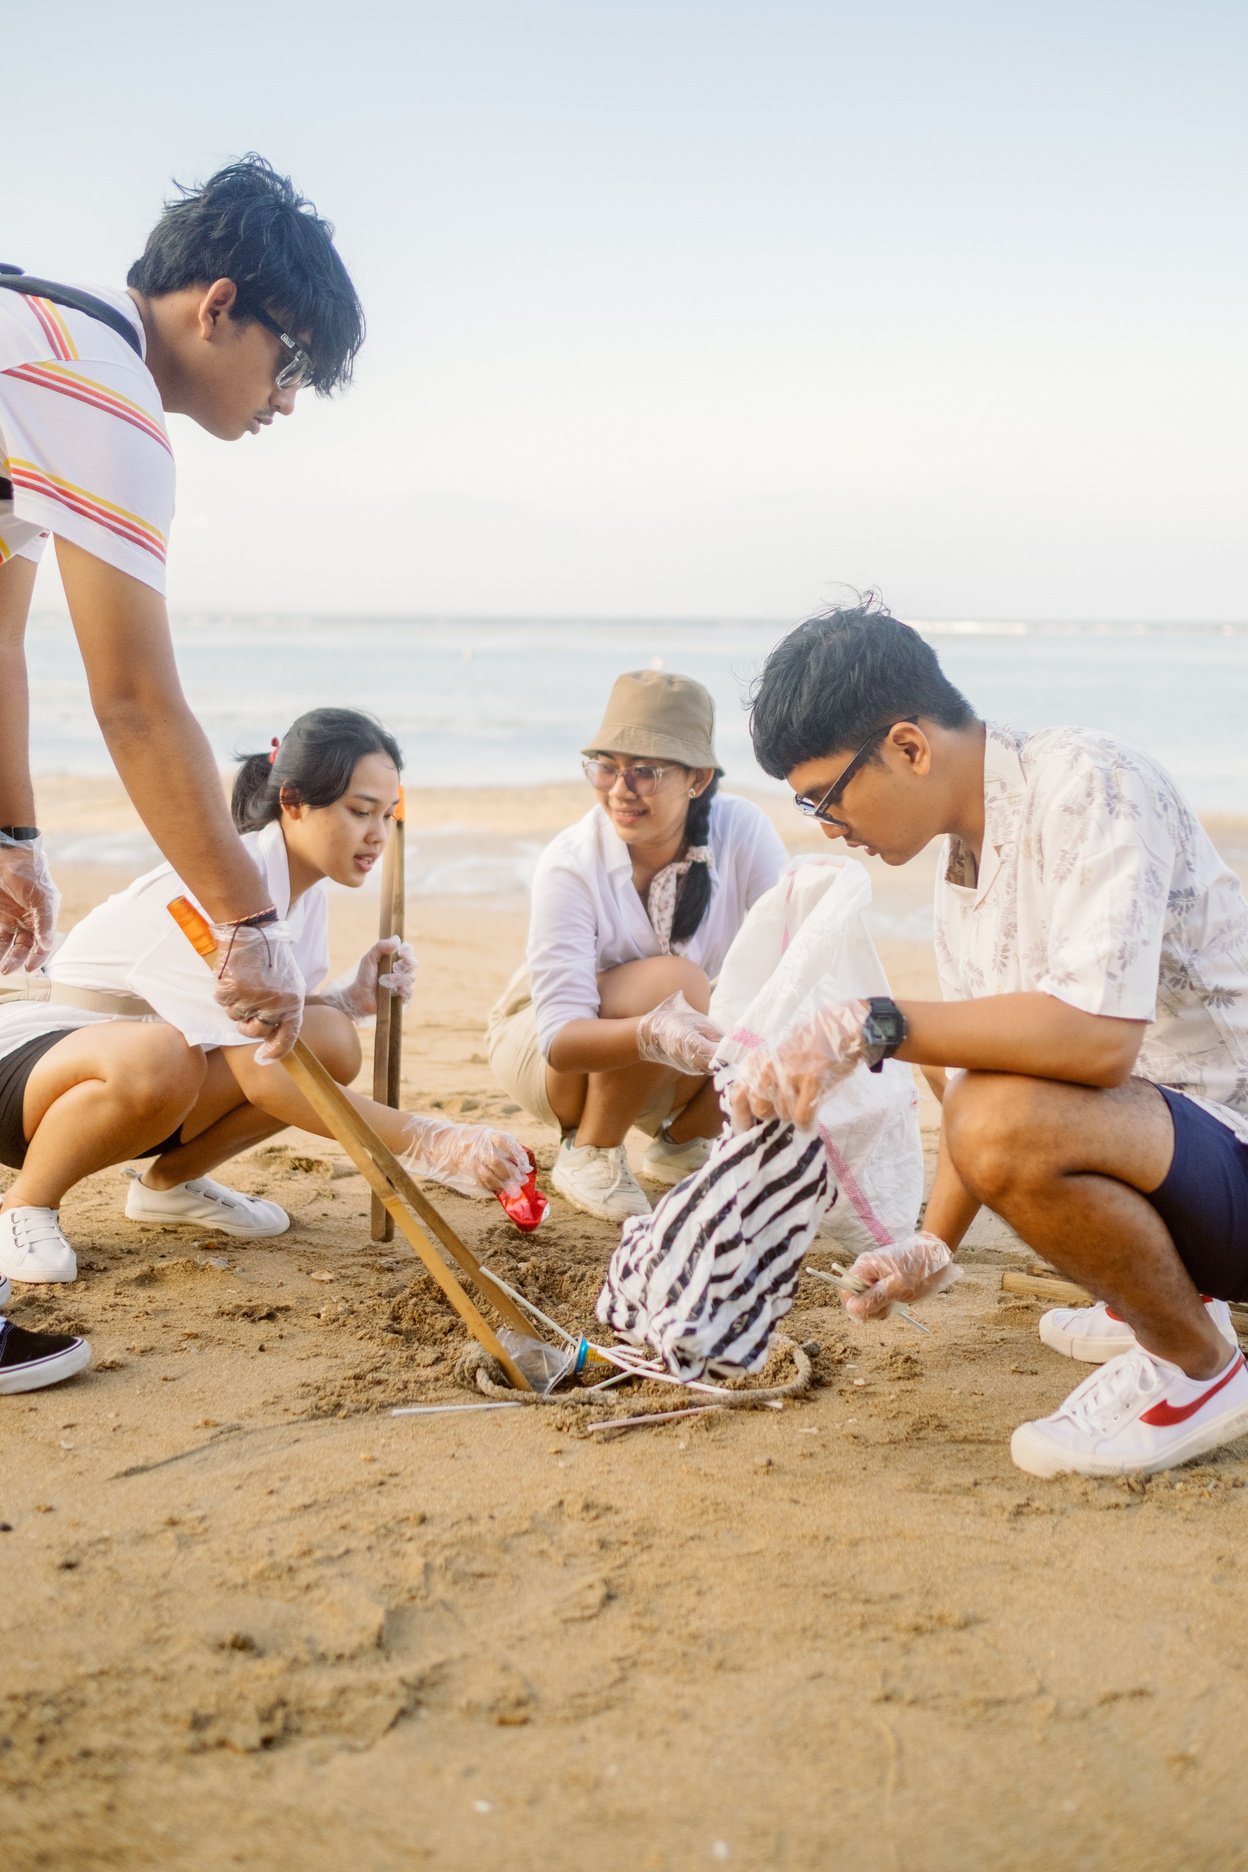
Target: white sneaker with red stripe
x=1137, y=1414
x=1096, y=1333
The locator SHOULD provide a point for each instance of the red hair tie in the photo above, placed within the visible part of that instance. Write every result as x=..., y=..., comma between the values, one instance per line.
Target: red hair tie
x=275, y=744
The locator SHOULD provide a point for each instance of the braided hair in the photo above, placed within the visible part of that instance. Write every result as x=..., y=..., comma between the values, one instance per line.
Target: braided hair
x=693, y=895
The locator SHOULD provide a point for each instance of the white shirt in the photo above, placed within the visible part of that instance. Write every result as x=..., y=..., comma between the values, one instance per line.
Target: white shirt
x=1098, y=885
x=587, y=916
x=83, y=444
x=130, y=944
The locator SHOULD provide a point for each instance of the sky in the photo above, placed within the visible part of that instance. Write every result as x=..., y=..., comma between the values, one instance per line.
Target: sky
x=700, y=307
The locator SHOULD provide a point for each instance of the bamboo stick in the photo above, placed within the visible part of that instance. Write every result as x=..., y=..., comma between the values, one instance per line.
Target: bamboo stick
x=388, y=1033
x=385, y=1176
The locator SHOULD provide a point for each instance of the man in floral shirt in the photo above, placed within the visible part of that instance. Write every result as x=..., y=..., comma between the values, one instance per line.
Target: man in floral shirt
x=1092, y=1046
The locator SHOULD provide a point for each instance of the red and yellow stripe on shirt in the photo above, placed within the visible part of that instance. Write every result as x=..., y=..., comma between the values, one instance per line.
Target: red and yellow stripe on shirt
x=54, y=328
x=82, y=389
x=104, y=513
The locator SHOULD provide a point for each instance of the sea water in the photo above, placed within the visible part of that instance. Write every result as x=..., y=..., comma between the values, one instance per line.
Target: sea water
x=506, y=703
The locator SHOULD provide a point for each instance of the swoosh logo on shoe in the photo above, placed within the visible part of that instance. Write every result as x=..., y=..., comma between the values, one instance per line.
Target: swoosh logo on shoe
x=1166, y=1414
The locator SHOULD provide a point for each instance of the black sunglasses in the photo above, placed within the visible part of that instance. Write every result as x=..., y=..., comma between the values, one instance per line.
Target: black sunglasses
x=821, y=808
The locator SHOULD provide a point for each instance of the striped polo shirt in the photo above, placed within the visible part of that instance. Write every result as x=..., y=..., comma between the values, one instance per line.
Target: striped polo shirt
x=84, y=454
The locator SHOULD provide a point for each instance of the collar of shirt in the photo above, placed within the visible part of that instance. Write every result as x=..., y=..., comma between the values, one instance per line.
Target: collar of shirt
x=1004, y=787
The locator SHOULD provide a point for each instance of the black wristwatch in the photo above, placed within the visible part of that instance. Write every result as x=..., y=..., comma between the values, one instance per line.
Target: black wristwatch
x=884, y=1030
x=22, y=833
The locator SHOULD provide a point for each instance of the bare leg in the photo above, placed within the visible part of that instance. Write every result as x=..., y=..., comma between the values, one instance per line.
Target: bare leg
x=1066, y=1166
x=601, y=1106
x=223, y=1122
x=100, y=1095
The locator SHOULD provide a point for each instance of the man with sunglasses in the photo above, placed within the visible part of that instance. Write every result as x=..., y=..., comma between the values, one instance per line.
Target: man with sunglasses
x=238, y=301
x=1092, y=1046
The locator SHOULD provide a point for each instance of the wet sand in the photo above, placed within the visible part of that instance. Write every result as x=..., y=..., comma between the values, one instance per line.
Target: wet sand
x=250, y=1620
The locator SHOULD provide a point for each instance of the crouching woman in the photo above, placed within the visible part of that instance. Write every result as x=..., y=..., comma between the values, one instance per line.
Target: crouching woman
x=633, y=910
x=120, y=1051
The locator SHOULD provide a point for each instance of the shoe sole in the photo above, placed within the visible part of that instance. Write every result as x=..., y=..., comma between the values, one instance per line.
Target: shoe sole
x=43, y=1280
x=1035, y=1455
x=206, y=1224
x=1089, y=1348
x=34, y=1375
x=599, y=1210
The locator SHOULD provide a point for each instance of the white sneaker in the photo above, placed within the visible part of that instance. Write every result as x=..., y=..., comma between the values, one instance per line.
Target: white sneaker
x=597, y=1179
x=1136, y=1415
x=32, y=1247
x=669, y=1163
x=30, y=1360
x=6, y=1292
x=203, y=1204
x=1096, y=1333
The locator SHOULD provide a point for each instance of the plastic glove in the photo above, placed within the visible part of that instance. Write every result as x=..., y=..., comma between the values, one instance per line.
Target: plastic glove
x=259, y=986
x=29, y=901
x=909, y=1270
x=472, y=1159
x=675, y=1034
x=356, y=995
x=791, y=1078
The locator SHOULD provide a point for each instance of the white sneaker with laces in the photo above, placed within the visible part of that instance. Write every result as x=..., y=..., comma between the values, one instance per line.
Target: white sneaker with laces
x=597, y=1179
x=1137, y=1414
x=203, y=1204
x=1096, y=1333
x=32, y=1247
x=669, y=1163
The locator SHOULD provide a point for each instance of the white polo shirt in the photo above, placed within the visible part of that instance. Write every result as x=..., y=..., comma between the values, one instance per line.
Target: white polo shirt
x=1098, y=885
x=83, y=446
x=587, y=916
x=130, y=944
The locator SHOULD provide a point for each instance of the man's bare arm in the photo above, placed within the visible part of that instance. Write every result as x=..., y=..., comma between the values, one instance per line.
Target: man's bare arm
x=160, y=750
x=1031, y=1033
x=17, y=795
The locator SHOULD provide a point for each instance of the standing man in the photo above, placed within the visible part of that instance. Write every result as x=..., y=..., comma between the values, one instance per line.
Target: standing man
x=238, y=302
x=1093, y=955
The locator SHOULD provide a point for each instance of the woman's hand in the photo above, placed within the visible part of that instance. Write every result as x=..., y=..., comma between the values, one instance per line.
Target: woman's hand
x=675, y=1034
x=473, y=1159
x=390, y=964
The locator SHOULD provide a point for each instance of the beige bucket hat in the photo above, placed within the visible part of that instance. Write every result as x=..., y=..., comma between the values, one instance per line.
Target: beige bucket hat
x=659, y=716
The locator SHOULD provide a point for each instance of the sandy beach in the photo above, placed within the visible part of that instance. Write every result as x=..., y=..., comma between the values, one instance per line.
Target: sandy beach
x=249, y=1619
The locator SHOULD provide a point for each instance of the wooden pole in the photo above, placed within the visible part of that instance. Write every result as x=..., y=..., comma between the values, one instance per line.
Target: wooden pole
x=1066, y=1293
x=386, y=1177
x=388, y=1033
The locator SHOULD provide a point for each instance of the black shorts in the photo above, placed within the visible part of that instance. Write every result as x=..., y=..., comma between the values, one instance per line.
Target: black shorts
x=15, y=1069
x=1204, y=1199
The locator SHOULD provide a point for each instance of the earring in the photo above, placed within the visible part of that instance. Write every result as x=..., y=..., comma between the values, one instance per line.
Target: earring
x=693, y=792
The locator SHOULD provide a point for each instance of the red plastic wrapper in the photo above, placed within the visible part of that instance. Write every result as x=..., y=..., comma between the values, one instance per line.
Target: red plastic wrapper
x=525, y=1204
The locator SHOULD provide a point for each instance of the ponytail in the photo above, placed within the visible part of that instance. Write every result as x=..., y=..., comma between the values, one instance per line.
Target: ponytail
x=693, y=895
x=313, y=764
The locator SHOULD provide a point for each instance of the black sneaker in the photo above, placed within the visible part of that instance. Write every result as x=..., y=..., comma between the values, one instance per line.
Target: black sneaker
x=30, y=1360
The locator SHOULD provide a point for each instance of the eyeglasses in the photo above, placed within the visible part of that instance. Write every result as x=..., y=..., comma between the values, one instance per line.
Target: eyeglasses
x=820, y=808
x=642, y=781
x=299, y=370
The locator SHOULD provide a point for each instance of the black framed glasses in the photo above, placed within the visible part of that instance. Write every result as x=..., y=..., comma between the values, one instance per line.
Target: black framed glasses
x=821, y=808
x=299, y=369
x=603, y=774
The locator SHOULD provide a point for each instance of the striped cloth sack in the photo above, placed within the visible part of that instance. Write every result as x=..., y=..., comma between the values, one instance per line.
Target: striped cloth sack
x=704, y=1279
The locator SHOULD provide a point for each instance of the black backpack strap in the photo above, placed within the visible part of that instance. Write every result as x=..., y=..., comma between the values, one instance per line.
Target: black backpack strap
x=14, y=280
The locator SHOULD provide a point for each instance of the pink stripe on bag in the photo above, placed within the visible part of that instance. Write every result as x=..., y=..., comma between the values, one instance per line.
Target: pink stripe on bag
x=845, y=1180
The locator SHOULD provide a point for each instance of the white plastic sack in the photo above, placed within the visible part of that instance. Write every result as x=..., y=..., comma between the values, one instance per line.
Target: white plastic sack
x=808, y=932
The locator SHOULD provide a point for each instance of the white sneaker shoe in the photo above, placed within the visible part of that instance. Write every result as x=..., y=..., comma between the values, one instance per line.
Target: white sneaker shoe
x=203, y=1204
x=32, y=1247
x=6, y=1292
x=597, y=1179
x=1136, y=1415
x=669, y=1163
x=1096, y=1333
x=30, y=1360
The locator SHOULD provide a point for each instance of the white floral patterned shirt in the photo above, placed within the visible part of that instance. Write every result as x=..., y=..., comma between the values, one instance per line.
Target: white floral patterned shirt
x=1099, y=886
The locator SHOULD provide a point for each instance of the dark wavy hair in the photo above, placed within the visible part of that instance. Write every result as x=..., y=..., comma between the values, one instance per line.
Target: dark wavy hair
x=314, y=763
x=831, y=683
x=248, y=224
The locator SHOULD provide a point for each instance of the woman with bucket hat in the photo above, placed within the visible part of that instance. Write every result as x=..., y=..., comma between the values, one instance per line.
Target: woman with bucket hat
x=634, y=907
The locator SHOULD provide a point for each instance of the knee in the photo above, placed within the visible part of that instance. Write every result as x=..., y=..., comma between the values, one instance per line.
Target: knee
x=636, y=987
x=334, y=1040
x=997, y=1131
x=164, y=1075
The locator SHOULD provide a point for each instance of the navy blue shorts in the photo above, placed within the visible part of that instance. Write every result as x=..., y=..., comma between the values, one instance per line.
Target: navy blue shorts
x=1204, y=1199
